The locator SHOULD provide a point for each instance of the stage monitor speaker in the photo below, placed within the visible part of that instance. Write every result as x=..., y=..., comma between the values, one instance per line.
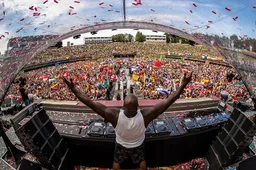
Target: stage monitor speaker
x=40, y=137
x=28, y=165
x=248, y=164
x=234, y=138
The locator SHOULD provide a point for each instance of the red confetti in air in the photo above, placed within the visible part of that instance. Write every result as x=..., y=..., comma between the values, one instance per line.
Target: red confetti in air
x=74, y=13
x=35, y=8
x=118, y=11
x=194, y=5
x=71, y=7
x=36, y=14
x=101, y=3
x=7, y=33
x=110, y=5
x=214, y=12
x=191, y=11
x=31, y=8
x=3, y=12
x=254, y=6
x=207, y=26
x=1, y=19
x=110, y=10
x=35, y=28
x=48, y=26
x=152, y=10
x=95, y=16
x=56, y=1
x=22, y=19
x=196, y=26
x=137, y=2
x=77, y=2
x=235, y=18
x=45, y=2
x=228, y=9
x=187, y=22
x=210, y=22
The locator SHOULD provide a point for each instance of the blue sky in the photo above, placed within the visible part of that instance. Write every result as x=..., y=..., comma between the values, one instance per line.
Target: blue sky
x=167, y=12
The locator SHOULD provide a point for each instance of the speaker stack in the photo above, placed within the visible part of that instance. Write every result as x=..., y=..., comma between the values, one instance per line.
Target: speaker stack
x=233, y=140
x=40, y=137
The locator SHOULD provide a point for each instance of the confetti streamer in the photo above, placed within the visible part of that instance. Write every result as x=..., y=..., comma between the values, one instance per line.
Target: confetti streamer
x=235, y=18
x=152, y=10
x=214, y=12
x=77, y=2
x=36, y=14
x=56, y=1
x=187, y=22
x=101, y=3
x=194, y=5
x=31, y=8
x=22, y=19
x=45, y=2
x=118, y=11
x=228, y=9
x=110, y=10
x=71, y=7
x=111, y=5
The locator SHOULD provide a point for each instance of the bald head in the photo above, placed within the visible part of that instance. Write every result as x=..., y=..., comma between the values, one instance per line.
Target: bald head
x=131, y=102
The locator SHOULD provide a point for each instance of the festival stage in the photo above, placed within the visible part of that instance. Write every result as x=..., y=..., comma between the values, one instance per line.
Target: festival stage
x=142, y=103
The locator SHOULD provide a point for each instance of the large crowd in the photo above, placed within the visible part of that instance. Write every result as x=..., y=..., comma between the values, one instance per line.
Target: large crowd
x=156, y=79
x=107, y=49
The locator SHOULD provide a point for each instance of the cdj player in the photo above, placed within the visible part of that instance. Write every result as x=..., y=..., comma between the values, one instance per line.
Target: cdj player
x=201, y=121
x=162, y=126
x=96, y=129
x=189, y=124
x=110, y=131
x=150, y=131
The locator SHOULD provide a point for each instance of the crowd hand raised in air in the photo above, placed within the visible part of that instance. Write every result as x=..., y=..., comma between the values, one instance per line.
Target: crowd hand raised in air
x=186, y=78
x=70, y=83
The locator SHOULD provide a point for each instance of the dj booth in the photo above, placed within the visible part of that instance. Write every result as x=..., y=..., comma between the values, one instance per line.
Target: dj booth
x=62, y=139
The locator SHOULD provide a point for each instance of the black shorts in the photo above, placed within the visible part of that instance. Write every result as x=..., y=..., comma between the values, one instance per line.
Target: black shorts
x=122, y=153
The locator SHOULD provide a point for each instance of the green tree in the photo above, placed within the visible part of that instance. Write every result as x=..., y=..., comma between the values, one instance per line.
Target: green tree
x=129, y=38
x=167, y=37
x=122, y=38
x=140, y=37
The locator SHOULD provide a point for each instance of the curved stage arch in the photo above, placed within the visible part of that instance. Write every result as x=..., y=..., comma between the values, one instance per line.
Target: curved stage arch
x=129, y=25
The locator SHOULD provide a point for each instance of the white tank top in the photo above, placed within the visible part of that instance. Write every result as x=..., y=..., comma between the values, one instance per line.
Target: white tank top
x=130, y=132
